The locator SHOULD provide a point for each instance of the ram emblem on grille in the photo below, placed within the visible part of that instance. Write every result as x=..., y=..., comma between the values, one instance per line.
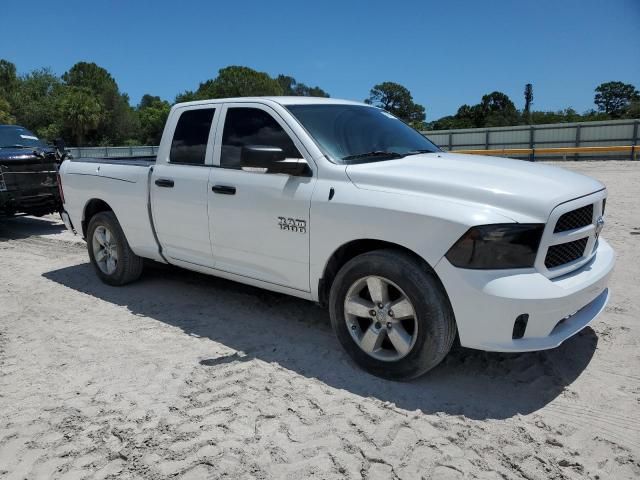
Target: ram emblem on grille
x=599, y=225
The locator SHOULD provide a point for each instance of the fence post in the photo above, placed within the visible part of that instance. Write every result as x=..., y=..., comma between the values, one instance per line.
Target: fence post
x=635, y=140
x=532, y=155
x=486, y=140
x=450, y=140
x=577, y=155
x=130, y=151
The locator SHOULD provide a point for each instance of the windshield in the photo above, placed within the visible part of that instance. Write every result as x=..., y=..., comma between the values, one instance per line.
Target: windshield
x=18, y=137
x=358, y=133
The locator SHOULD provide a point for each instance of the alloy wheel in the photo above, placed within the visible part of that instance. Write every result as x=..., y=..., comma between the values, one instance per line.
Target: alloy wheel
x=380, y=318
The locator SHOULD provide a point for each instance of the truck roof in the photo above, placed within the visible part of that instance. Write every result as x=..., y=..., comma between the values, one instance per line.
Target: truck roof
x=282, y=100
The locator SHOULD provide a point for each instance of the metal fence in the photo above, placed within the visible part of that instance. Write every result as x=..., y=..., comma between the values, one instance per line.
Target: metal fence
x=583, y=134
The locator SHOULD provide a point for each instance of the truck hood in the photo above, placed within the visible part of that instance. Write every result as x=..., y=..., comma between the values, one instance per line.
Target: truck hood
x=26, y=155
x=520, y=190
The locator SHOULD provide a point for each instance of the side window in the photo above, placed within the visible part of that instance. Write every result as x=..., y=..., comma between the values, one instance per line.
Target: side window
x=252, y=126
x=189, y=143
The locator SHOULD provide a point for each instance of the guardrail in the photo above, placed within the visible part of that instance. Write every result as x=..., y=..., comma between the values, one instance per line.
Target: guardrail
x=563, y=151
x=546, y=140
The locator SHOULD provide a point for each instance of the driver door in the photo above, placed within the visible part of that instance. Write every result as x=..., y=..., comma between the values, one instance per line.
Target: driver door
x=259, y=222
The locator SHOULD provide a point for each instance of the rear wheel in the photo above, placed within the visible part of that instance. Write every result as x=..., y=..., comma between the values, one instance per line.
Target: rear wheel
x=114, y=261
x=391, y=314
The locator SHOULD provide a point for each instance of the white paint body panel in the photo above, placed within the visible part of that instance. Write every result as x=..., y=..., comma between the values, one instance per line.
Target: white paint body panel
x=423, y=203
x=181, y=214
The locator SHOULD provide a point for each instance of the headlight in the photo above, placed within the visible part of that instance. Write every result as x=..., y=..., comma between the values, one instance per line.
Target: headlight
x=497, y=246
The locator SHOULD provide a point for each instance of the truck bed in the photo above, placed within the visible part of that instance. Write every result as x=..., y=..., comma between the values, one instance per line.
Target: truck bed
x=123, y=184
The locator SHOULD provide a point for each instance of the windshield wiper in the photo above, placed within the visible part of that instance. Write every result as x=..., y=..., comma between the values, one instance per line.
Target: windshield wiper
x=375, y=153
x=16, y=146
x=418, y=152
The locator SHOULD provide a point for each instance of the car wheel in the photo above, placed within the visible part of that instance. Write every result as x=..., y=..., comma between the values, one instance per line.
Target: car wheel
x=114, y=261
x=391, y=314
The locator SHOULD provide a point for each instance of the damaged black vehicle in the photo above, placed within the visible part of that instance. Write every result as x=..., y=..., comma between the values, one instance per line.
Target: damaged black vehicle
x=28, y=173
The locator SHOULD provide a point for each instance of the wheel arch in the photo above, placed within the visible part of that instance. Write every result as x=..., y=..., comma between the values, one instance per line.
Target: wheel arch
x=352, y=249
x=93, y=207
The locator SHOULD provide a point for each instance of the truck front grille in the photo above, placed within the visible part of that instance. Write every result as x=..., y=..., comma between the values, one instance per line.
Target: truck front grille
x=571, y=234
x=565, y=252
x=580, y=217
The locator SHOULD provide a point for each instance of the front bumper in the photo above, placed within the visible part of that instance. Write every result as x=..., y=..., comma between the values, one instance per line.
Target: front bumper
x=32, y=203
x=487, y=303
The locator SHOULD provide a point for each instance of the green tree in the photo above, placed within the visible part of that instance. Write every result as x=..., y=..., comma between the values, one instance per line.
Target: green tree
x=92, y=77
x=633, y=111
x=118, y=121
x=396, y=99
x=290, y=86
x=8, y=79
x=8, y=85
x=5, y=113
x=187, y=96
x=614, y=98
x=237, y=81
x=34, y=100
x=497, y=110
x=152, y=113
x=470, y=116
x=80, y=112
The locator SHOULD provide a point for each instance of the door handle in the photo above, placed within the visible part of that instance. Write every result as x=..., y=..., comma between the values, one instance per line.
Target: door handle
x=224, y=189
x=164, y=182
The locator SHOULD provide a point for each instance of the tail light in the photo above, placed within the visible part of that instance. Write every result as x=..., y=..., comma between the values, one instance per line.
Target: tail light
x=59, y=182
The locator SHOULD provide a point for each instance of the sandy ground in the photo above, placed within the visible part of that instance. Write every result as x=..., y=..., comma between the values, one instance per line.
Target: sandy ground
x=186, y=376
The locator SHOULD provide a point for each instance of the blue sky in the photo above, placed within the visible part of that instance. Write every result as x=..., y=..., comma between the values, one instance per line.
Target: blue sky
x=446, y=52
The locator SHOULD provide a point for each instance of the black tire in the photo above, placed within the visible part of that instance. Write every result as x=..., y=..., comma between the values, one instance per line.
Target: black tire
x=436, y=325
x=129, y=265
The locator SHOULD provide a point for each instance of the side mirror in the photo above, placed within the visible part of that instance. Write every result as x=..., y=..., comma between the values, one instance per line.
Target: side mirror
x=273, y=159
x=60, y=147
x=260, y=156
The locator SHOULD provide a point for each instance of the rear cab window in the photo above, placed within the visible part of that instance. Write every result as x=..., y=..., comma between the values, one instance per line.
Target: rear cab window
x=189, y=144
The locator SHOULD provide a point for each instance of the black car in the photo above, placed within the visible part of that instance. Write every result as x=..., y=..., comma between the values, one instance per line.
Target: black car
x=28, y=173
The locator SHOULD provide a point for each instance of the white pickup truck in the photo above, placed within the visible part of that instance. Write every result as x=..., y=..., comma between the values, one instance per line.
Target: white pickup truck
x=341, y=203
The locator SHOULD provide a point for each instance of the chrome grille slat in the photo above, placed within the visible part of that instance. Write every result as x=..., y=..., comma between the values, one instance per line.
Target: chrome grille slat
x=570, y=236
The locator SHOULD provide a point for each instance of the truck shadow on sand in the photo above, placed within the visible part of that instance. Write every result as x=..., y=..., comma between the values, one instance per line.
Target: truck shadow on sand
x=19, y=227
x=296, y=335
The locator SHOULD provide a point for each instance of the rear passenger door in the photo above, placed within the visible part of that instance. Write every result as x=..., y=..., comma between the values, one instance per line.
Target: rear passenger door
x=179, y=187
x=259, y=221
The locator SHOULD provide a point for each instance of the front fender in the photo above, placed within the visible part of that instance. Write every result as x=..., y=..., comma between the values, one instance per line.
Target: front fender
x=425, y=225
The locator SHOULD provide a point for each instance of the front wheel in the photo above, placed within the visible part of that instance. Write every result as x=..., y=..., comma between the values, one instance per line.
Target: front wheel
x=109, y=252
x=391, y=315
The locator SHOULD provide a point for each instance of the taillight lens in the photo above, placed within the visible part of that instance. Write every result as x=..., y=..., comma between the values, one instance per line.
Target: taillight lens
x=59, y=182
